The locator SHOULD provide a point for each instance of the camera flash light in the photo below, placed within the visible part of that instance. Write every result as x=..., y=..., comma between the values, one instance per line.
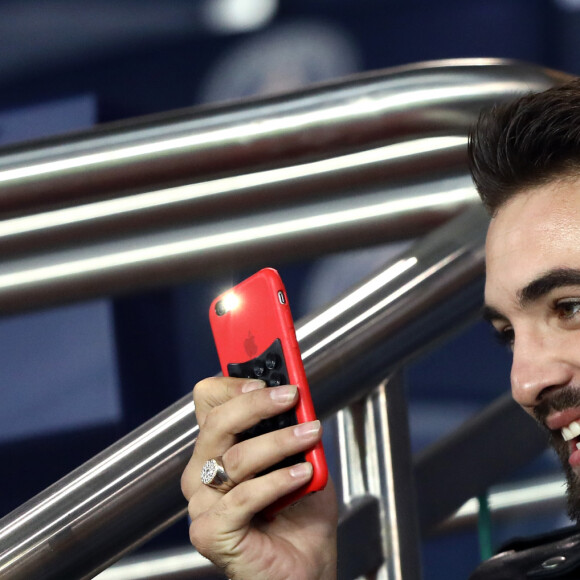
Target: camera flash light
x=230, y=302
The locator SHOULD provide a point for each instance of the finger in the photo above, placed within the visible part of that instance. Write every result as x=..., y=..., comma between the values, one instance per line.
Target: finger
x=224, y=422
x=216, y=391
x=248, y=458
x=238, y=507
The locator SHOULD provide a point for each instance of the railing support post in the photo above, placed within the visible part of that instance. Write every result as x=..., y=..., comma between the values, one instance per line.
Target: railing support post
x=375, y=464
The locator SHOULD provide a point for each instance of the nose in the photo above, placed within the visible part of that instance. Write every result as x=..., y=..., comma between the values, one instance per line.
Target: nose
x=538, y=367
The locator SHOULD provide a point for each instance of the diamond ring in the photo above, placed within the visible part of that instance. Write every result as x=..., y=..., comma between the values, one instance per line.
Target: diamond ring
x=214, y=475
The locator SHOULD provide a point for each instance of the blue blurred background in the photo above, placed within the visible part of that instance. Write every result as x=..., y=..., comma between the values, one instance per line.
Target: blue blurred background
x=75, y=378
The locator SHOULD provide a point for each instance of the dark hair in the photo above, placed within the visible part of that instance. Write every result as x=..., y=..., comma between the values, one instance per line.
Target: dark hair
x=526, y=143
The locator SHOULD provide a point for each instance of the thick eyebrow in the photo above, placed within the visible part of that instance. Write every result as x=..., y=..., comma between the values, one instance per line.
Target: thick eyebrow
x=536, y=289
x=547, y=282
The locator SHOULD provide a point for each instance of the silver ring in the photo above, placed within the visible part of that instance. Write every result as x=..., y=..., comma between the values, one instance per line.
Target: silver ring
x=214, y=475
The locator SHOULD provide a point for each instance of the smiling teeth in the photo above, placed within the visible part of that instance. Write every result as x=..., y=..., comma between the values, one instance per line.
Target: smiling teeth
x=571, y=431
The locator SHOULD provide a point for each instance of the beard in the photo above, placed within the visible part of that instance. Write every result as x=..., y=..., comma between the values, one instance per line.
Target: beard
x=565, y=398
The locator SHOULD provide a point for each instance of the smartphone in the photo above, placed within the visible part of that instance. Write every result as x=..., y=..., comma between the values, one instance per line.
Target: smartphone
x=254, y=335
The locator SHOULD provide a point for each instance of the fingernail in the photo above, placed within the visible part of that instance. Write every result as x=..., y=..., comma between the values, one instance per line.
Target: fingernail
x=283, y=394
x=253, y=386
x=307, y=429
x=301, y=470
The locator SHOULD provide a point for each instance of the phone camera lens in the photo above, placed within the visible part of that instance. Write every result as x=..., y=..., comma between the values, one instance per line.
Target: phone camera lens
x=220, y=308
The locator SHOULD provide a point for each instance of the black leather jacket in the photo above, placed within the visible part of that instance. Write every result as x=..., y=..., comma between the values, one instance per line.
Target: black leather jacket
x=553, y=555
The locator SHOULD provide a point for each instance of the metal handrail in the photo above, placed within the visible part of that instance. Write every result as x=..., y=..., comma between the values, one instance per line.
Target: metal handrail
x=270, y=234
x=544, y=495
x=191, y=145
x=310, y=181
x=91, y=517
x=156, y=201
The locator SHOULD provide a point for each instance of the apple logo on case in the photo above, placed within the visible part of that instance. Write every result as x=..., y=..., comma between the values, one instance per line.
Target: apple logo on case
x=250, y=345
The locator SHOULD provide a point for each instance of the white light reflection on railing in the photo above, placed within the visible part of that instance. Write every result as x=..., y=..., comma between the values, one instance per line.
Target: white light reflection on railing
x=376, y=308
x=350, y=111
x=354, y=298
x=164, y=251
x=521, y=494
x=85, y=478
x=135, y=203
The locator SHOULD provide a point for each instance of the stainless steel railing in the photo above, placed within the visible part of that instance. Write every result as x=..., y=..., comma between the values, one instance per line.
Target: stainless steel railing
x=193, y=145
x=91, y=517
x=159, y=200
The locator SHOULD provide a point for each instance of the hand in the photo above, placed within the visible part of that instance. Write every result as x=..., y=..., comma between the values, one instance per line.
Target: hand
x=227, y=528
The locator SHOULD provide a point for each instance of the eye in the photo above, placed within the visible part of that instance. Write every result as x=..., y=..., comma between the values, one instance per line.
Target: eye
x=505, y=336
x=568, y=308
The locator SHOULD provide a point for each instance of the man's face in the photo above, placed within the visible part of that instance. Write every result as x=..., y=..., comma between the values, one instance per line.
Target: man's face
x=532, y=297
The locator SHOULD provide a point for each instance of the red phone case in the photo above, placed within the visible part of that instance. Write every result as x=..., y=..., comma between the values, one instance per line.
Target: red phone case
x=253, y=316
